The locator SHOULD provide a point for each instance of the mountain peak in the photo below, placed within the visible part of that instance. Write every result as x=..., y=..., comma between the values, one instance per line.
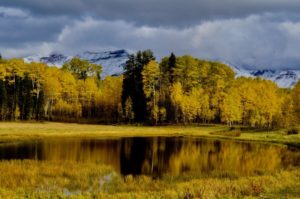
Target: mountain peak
x=283, y=78
x=111, y=61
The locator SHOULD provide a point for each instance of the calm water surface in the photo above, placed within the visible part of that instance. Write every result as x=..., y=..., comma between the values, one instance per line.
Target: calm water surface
x=157, y=156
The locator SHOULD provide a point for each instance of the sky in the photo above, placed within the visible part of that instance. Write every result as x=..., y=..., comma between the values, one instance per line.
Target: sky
x=253, y=34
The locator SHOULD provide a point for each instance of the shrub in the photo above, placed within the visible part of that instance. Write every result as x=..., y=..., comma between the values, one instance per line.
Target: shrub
x=293, y=131
x=232, y=128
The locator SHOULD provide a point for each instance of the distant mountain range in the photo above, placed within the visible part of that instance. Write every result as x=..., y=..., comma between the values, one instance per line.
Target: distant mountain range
x=113, y=62
x=283, y=78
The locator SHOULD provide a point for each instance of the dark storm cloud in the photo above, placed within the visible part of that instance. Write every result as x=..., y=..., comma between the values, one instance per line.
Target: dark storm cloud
x=21, y=33
x=250, y=33
x=256, y=41
x=15, y=30
x=156, y=12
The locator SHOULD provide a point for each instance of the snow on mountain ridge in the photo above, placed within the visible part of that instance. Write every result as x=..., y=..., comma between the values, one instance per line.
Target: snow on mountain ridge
x=265, y=72
x=112, y=62
x=283, y=78
x=55, y=59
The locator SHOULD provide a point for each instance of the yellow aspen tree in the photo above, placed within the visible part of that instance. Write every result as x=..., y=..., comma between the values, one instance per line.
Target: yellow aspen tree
x=296, y=100
x=151, y=75
x=176, y=99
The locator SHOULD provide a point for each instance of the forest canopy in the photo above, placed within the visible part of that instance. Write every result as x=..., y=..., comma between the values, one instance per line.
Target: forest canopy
x=175, y=90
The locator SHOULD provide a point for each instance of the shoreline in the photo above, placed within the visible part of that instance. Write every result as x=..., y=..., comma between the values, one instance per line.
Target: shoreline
x=26, y=131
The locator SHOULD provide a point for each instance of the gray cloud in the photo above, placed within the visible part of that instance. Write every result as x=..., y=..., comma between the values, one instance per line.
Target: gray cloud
x=156, y=12
x=253, y=34
x=12, y=12
x=15, y=31
x=256, y=41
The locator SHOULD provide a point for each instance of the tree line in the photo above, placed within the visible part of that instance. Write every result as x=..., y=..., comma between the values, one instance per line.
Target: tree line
x=35, y=91
x=176, y=90
x=190, y=90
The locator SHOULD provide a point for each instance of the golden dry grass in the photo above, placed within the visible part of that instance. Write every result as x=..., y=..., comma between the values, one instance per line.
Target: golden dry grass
x=32, y=179
x=20, y=131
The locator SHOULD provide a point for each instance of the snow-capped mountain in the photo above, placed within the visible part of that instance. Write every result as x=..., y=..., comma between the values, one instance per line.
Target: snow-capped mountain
x=283, y=78
x=111, y=61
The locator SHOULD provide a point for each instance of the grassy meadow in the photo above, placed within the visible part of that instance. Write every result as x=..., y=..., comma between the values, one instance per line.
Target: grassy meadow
x=34, y=179
x=30, y=179
x=20, y=131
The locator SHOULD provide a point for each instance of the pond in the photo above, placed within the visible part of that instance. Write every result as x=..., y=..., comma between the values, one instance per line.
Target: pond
x=157, y=156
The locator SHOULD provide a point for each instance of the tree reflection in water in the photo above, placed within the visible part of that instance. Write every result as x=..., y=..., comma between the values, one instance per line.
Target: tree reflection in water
x=157, y=156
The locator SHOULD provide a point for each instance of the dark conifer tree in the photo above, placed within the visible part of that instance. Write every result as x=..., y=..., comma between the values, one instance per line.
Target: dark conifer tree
x=133, y=83
x=25, y=102
x=3, y=100
x=171, y=66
